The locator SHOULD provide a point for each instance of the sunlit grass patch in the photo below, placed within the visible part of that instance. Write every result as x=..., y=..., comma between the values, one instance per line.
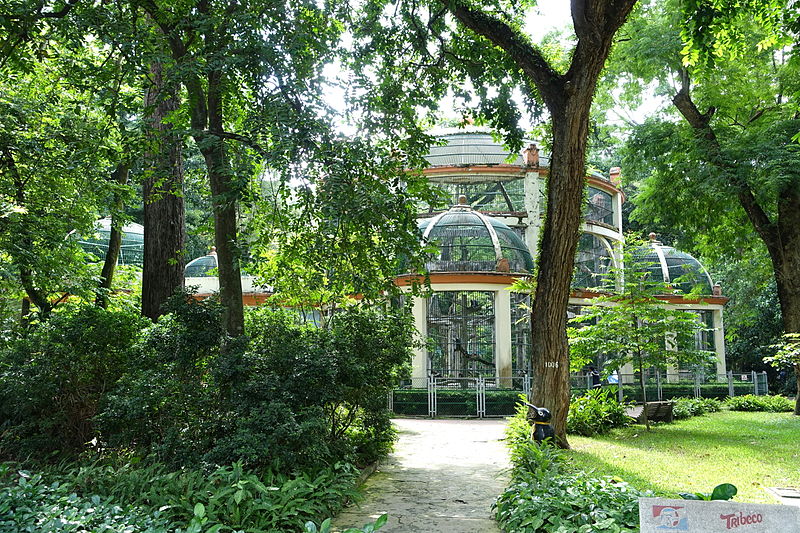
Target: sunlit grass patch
x=750, y=450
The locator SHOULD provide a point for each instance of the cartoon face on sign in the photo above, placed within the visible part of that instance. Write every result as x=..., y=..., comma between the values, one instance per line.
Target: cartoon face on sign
x=670, y=518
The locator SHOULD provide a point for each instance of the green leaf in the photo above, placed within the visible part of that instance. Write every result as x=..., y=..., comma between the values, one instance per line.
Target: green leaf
x=724, y=491
x=199, y=510
x=325, y=527
x=381, y=521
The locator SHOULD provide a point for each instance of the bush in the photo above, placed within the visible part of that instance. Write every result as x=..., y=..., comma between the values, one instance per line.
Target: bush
x=547, y=495
x=749, y=402
x=596, y=412
x=292, y=398
x=688, y=407
x=55, y=375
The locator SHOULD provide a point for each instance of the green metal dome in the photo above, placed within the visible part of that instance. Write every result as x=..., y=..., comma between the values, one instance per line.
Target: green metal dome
x=202, y=267
x=679, y=269
x=132, y=250
x=468, y=241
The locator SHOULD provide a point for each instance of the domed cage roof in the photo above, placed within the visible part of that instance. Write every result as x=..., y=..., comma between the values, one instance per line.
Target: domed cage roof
x=475, y=147
x=131, y=251
x=202, y=267
x=679, y=269
x=468, y=241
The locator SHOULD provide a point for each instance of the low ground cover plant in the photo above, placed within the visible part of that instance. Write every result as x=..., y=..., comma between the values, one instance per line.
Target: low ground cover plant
x=770, y=404
x=125, y=498
x=29, y=503
x=683, y=408
x=549, y=495
x=596, y=412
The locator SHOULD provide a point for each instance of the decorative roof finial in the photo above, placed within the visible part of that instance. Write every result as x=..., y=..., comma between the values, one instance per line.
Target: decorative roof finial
x=213, y=251
x=652, y=236
x=532, y=156
x=462, y=199
x=615, y=174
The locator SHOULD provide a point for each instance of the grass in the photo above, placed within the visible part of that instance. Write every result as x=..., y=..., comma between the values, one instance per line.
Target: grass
x=750, y=450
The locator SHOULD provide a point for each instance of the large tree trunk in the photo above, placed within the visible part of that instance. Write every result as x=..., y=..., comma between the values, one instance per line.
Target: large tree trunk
x=785, y=254
x=224, y=204
x=560, y=234
x=164, y=228
x=120, y=176
x=568, y=97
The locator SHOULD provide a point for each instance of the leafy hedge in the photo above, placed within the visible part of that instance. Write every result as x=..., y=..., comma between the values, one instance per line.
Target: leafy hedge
x=55, y=375
x=679, y=390
x=772, y=404
x=596, y=412
x=547, y=495
x=688, y=407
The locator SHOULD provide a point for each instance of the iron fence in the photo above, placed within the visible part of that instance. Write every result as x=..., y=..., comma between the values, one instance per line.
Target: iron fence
x=483, y=397
x=665, y=386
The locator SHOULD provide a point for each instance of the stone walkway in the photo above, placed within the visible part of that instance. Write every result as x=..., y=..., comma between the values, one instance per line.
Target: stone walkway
x=442, y=477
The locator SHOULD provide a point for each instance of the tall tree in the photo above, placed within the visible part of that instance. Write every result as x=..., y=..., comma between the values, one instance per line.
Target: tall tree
x=164, y=228
x=733, y=146
x=55, y=147
x=246, y=68
x=485, y=42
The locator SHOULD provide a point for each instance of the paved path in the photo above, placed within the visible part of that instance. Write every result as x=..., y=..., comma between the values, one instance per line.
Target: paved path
x=442, y=477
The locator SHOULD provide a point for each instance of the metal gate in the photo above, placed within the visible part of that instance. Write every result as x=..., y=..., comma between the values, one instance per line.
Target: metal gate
x=479, y=397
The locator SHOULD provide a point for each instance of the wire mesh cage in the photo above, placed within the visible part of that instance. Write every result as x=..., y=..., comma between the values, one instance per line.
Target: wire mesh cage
x=467, y=241
x=599, y=207
x=461, y=333
x=593, y=263
x=131, y=250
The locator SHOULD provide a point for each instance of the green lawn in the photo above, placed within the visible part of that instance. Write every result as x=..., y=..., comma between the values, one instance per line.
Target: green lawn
x=750, y=450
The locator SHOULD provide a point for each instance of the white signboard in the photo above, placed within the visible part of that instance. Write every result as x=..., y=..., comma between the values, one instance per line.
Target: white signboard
x=659, y=515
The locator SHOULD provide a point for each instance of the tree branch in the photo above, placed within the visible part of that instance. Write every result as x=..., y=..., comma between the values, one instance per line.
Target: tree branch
x=701, y=124
x=528, y=58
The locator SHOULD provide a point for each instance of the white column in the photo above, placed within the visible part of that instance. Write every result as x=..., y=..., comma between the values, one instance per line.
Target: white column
x=626, y=373
x=502, y=332
x=719, y=342
x=532, y=184
x=419, y=365
x=617, y=203
x=673, y=372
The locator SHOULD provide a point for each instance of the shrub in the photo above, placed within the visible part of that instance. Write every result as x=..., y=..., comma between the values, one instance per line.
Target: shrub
x=294, y=397
x=596, y=412
x=547, y=495
x=749, y=402
x=55, y=375
x=169, y=402
x=688, y=407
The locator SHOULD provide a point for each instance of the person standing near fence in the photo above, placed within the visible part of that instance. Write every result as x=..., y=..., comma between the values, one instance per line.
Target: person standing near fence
x=595, y=377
